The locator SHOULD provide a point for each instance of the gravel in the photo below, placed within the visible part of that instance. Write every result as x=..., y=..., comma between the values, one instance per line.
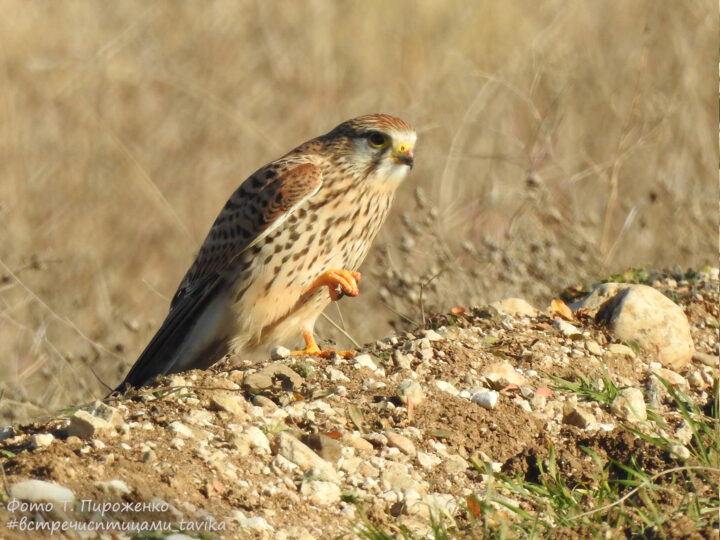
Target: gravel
x=415, y=426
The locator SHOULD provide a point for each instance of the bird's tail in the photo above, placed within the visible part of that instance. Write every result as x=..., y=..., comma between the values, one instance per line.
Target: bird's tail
x=184, y=341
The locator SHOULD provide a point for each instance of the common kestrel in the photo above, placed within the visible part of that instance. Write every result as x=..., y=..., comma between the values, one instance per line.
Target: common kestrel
x=287, y=243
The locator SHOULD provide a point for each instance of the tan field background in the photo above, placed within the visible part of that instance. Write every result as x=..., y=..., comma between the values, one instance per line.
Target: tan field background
x=558, y=142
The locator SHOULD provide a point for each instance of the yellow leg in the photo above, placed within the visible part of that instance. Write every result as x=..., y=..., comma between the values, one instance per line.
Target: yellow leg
x=312, y=349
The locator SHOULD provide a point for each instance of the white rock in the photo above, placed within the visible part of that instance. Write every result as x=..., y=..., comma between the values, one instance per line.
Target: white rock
x=708, y=374
x=336, y=375
x=368, y=471
x=621, y=350
x=350, y=465
x=523, y=404
x=366, y=361
x=236, y=515
x=394, y=478
x=683, y=432
x=577, y=416
x=428, y=461
x=410, y=389
x=85, y=426
x=111, y=415
x=673, y=378
x=358, y=443
x=503, y=371
x=401, y=442
x=199, y=417
x=434, y=504
x=114, y=487
x=178, y=428
x=255, y=523
x=681, y=451
x=515, y=307
x=321, y=493
x=565, y=327
x=231, y=403
x=593, y=348
x=447, y=387
x=486, y=398
x=599, y=426
x=376, y=439
x=630, y=404
x=309, y=462
x=710, y=360
x=178, y=381
x=279, y=353
x=390, y=497
x=454, y=464
x=646, y=316
x=41, y=440
x=696, y=380
x=98, y=444
x=410, y=495
x=281, y=464
x=372, y=384
x=402, y=361
x=39, y=490
x=257, y=440
x=177, y=443
x=432, y=335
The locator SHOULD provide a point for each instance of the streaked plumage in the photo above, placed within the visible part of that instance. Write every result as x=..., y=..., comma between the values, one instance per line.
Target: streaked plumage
x=262, y=274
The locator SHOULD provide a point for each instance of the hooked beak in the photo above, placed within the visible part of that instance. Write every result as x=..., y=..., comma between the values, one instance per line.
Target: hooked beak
x=403, y=153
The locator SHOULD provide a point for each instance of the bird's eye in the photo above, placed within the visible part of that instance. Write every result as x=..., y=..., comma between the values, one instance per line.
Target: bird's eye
x=377, y=139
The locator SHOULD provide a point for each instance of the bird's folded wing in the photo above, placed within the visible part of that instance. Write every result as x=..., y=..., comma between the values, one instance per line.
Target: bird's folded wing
x=260, y=205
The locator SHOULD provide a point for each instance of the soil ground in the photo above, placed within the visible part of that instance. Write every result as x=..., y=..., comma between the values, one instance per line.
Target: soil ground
x=211, y=473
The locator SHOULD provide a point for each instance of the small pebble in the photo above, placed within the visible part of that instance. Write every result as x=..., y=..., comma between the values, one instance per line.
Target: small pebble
x=486, y=398
x=681, y=451
x=365, y=361
x=410, y=389
x=279, y=353
x=565, y=327
x=39, y=490
x=41, y=440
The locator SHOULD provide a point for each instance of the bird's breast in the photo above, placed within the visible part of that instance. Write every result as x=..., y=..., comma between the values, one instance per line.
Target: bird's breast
x=332, y=230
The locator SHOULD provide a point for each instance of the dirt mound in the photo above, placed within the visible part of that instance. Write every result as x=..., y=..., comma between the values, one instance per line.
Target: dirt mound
x=452, y=422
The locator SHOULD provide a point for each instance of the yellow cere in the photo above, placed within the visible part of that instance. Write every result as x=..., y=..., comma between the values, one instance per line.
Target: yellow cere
x=404, y=147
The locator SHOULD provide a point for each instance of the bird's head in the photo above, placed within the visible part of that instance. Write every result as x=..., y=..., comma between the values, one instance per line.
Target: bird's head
x=380, y=145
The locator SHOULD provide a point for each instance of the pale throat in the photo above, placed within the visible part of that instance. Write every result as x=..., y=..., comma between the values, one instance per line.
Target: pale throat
x=388, y=176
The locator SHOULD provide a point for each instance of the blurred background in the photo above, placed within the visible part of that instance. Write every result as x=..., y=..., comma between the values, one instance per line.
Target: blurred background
x=558, y=142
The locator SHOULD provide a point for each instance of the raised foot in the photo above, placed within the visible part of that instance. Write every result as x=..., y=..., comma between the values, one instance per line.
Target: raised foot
x=312, y=349
x=339, y=283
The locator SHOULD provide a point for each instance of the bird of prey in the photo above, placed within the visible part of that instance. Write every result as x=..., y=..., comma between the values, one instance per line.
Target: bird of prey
x=288, y=242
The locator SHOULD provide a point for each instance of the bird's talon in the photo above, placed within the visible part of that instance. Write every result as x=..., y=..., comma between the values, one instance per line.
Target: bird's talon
x=345, y=279
x=312, y=349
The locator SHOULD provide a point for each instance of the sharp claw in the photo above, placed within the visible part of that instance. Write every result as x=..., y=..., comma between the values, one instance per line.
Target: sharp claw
x=312, y=349
x=339, y=283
